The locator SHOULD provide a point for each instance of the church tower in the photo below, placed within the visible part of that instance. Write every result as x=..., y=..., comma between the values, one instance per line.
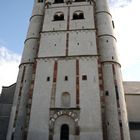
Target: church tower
x=69, y=85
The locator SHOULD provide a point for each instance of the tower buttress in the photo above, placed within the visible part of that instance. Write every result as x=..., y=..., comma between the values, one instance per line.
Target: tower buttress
x=115, y=107
x=17, y=123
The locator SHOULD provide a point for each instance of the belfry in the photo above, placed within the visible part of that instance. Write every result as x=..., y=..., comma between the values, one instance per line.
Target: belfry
x=69, y=85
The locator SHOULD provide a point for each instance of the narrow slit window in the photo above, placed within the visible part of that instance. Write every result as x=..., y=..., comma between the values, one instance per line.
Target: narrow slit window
x=120, y=124
x=113, y=24
x=117, y=93
x=66, y=78
x=12, y=138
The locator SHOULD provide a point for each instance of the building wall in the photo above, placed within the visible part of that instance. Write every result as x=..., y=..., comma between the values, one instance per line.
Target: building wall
x=132, y=96
x=6, y=101
x=43, y=92
x=67, y=48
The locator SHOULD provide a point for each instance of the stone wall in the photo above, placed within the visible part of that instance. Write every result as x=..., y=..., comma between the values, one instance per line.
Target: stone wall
x=6, y=101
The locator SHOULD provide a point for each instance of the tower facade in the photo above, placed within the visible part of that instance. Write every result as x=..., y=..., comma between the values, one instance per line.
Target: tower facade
x=69, y=85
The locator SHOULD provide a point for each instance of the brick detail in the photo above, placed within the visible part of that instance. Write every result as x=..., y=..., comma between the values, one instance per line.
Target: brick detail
x=67, y=35
x=102, y=99
x=117, y=99
x=67, y=43
x=29, y=103
x=77, y=83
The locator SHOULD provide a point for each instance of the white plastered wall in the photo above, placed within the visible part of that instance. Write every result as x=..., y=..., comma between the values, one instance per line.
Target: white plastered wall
x=90, y=115
x=66, y=68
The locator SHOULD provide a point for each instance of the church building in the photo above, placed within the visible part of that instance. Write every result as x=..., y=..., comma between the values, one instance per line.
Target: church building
x=69, y=85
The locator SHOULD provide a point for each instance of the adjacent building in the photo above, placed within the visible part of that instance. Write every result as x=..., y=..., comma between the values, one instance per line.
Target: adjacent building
x=6, y=102
x=132, y=96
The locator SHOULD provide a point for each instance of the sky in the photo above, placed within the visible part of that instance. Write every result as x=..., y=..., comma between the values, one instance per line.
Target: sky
x=14, y=21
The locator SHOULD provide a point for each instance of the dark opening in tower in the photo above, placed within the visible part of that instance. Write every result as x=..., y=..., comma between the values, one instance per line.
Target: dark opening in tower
x=59, y=1
x=64, y=133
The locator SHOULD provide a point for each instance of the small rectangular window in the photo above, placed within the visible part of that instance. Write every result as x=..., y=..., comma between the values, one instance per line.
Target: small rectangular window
x=107, y=93
x=84, y=77
x=48, y=78
x=120, y=124
x=66, y=78
x=107, y=123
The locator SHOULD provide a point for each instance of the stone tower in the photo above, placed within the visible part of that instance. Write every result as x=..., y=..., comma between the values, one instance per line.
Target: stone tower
x=69, y=85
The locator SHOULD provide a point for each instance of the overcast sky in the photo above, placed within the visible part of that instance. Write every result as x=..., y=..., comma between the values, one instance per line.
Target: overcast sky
x=14, y=21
